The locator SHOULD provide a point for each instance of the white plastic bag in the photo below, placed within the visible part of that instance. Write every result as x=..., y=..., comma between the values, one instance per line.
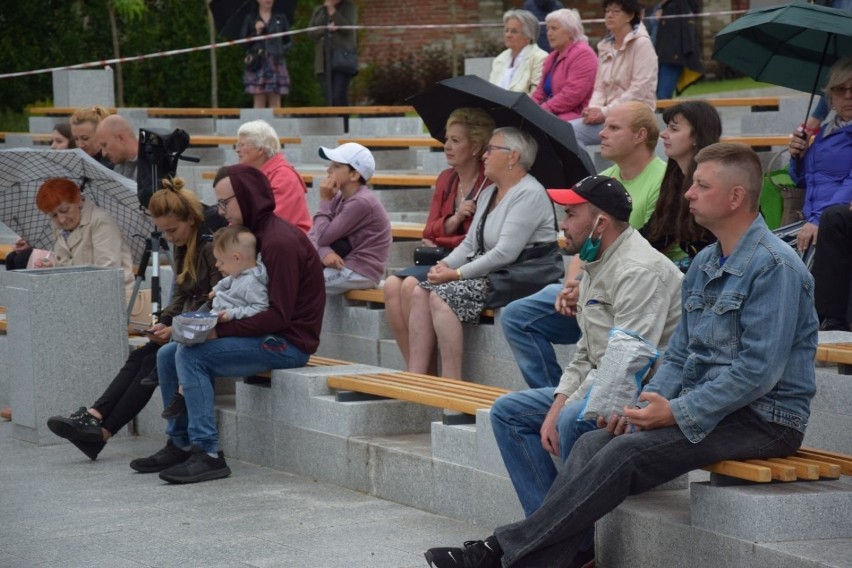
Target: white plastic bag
x=618, y=378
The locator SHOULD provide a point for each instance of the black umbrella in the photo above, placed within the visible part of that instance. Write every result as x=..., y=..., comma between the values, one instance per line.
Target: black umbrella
x=559, y=163
x=228, y=15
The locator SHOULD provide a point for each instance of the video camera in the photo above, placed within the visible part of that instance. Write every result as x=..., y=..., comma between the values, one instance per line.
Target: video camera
x=159, y=152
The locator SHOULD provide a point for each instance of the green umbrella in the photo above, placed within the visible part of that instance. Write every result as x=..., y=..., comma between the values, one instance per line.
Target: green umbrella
x=792, y=46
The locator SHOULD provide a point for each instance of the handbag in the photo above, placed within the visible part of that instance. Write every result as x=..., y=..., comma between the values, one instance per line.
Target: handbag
x=536, y=267
x=781, y=202
x=429, y=256
x=140, y=317
x=254, y=59
x=344, y=61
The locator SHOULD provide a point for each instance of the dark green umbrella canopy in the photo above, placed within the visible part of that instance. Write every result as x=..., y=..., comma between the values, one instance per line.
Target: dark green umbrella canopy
x=792, y=46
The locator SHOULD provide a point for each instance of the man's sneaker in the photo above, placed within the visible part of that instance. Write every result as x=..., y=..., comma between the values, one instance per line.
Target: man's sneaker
x=199, y=467
x=176, y=407
x=164, y=459
x=80, y=426
x=475, y=554
x=91, y=449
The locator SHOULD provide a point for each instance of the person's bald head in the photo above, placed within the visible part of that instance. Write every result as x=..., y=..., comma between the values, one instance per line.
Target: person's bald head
x=117, y=139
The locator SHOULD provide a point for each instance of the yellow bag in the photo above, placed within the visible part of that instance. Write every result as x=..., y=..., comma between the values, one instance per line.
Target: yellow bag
x=140, y=317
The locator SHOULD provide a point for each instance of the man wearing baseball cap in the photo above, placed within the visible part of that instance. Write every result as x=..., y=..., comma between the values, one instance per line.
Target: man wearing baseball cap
x=532, y=325
x=735, y=383
x=626, y=284
x=351, y=229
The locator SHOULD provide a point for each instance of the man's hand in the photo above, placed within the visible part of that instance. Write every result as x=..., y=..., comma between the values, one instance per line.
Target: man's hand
x=657, y=414
x=333, y=260
x=549, y=433
x=566, y=300
x=593, y=115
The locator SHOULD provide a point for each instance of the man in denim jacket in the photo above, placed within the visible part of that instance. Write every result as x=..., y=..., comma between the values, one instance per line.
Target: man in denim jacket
x=736, y=381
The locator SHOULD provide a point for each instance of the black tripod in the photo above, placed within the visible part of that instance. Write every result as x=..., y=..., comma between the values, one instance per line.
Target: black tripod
x=153, y=243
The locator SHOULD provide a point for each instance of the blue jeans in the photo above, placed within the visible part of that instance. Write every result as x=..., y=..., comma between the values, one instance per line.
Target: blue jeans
x=516, y=419
x=195, y=366
x=531, y=326
x=667, y=76
x=603, y=470
x=586, y=134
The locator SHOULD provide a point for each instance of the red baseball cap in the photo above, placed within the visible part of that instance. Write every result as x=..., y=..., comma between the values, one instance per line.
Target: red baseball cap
x=606, y=193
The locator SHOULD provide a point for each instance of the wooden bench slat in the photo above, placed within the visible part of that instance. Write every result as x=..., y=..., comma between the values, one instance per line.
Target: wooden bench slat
x=844, y=461
x=343, y=110
x=727, y=102
x=154, y=112
x=824, y=469
x=398, y=382
x=835, y=353
x=779, y=472
x=758, y=140
x=395, y=142
x=215, y=140
x=741, y=470
x=439, y=382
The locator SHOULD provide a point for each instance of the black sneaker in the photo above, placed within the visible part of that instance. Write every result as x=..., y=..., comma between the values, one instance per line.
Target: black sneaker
x=164, y=459
x=80, y=426
x=475, y=554
x=91, y=449
x=176, y=407
x=199, y=467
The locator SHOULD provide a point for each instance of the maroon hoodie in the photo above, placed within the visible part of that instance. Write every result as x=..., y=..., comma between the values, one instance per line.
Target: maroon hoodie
x=296, y=283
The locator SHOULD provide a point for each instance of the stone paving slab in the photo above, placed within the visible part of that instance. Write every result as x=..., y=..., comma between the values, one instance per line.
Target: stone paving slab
x=57, y=508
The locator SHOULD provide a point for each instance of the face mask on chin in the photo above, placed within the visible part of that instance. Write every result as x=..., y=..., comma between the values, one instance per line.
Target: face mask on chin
x=591, y=247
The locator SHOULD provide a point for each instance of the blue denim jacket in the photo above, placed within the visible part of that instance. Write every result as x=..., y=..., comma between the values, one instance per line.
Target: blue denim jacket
x=747, y=336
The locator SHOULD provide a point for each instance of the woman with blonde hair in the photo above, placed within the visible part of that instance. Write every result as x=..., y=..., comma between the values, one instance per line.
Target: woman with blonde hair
x=84, y=124
x=518, y=68
x=451, y=212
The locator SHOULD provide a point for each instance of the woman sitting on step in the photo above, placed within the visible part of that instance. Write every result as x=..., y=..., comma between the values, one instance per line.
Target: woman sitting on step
x=512, y=215
x=451, y=212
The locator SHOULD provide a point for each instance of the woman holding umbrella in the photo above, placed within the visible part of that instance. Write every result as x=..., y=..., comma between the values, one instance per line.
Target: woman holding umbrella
x=266, y=78
x=512, y=215
x=450, y=214
x=334, y=79
x=824, y=166
x=179, y=215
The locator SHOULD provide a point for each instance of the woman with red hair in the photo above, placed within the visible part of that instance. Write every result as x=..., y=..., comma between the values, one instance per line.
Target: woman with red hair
x=83, y=233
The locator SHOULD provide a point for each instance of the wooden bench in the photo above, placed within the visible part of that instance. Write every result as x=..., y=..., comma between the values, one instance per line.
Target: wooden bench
x=390, y=142
x=427, y=390
x=196, y=112
x=400, y=110
x=808, y=464
x=839, y=353
x=215, y=140
x=37, y=138
x=375, y=298
x=758, y=141
x=313, y=361
x=756, y=103
x=388, y=180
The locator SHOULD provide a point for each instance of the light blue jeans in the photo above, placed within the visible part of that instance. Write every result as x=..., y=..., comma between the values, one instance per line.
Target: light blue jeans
x=195, y=367
x=516, y=419
x=586, y=134
x=531, y=326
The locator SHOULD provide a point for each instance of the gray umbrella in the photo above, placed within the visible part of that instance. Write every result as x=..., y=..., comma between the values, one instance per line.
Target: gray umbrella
x=23, y=171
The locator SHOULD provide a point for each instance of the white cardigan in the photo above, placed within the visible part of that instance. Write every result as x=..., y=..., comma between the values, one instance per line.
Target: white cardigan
x=527, y=76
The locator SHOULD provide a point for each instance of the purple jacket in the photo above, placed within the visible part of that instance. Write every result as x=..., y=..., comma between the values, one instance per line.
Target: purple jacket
x=364, y=222
x=574, y=70
x=825, y=172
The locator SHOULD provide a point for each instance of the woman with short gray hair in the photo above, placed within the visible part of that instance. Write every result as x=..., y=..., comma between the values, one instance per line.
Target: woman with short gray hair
x=518, y=68
x=258, y=146
x=511, y=216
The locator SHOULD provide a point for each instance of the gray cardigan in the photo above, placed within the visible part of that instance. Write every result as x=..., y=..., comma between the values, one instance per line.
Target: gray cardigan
x=523, y=217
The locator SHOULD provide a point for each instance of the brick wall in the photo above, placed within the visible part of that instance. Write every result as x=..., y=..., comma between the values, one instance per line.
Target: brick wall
x=379, y=46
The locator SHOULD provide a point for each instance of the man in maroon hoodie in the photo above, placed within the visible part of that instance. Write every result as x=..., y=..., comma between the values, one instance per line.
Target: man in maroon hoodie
x=282, y=337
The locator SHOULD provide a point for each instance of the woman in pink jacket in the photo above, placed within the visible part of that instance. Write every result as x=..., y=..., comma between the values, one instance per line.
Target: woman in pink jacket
x=568, y=76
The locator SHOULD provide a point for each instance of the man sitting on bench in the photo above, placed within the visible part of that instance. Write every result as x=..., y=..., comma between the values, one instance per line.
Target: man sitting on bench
x=735, y=383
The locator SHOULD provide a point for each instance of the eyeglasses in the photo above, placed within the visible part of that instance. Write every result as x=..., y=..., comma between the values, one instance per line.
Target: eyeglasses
x=241, y=145
x=511, y=31
x=491, y=147
x=223, y=203
x=841, y=91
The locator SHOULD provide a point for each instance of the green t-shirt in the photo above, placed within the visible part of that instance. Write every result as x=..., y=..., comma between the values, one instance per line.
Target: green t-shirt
x=644, y=189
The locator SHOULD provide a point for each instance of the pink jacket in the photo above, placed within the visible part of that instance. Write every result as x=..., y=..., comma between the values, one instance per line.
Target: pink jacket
x=626, y=74
x=574, y=70
x=289, y=191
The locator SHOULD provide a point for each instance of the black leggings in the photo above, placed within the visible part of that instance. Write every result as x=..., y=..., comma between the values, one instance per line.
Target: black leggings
x=124, y=398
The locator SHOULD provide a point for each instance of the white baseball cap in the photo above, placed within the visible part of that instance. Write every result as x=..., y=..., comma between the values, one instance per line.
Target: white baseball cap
x=353, y=154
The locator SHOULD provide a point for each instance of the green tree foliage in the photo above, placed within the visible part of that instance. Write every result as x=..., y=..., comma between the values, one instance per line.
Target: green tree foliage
x=39, y=34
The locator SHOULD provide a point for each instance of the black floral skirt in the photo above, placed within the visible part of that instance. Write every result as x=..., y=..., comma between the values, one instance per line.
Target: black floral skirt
x=465, y=297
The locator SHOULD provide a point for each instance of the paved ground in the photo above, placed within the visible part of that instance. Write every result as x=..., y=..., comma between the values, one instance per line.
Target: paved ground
x=58, y=509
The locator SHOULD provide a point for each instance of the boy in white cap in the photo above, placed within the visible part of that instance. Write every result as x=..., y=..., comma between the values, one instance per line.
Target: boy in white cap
x=351, y=229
